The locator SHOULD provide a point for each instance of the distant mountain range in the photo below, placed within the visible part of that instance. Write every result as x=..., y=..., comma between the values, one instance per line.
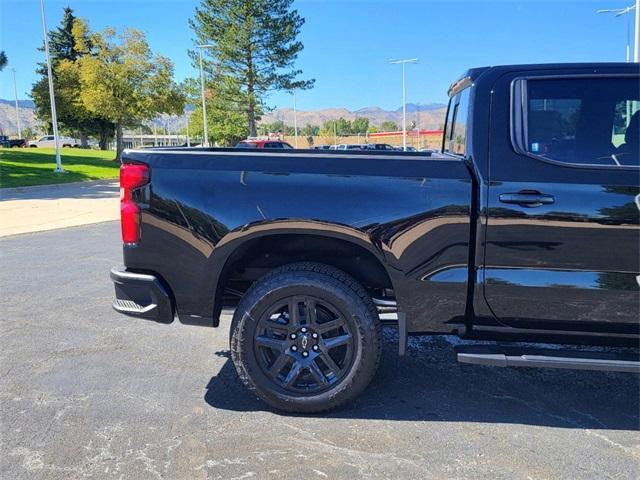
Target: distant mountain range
x=430, y=116
x=8, y=116
x=425, y=116
x=21, y=103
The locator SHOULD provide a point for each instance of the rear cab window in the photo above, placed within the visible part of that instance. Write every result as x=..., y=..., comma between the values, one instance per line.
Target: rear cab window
x=583, y=121
x=455, y=132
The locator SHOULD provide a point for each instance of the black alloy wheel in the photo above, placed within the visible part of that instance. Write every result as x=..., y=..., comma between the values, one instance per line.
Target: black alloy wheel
x=305, y=345
x=306, y=338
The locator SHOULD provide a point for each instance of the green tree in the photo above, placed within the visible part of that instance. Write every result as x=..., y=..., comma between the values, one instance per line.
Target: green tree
x=225, y=128
x=27, y=133
x=344, y=127
x=329, y=127
x=254, y=48
x=340, y=126
x=389, y=126
x=276, y=127
x=3, y=60
x=61, y=47
x=360, y=125
x=67, y=44
x=123, y=82
x=62, y=42
x=226, y=124
x=310, y=130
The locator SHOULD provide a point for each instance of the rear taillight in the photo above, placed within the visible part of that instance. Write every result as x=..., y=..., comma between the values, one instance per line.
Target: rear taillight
x=132, y=176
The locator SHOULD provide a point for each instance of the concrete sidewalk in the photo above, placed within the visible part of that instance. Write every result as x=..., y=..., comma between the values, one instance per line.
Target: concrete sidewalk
x=47, y=207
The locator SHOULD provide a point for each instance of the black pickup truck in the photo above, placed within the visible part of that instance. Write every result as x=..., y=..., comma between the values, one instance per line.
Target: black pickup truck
x=6, y=142
x=525, y=227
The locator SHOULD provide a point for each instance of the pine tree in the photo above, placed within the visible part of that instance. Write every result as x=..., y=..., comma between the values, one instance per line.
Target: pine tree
x=62, y=44
x=254, y=48
x=67, y=44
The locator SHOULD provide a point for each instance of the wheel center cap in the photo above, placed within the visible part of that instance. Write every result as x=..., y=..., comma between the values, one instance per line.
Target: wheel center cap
x=304, y=341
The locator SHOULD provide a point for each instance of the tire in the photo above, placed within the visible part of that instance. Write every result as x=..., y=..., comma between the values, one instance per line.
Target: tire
x=332, y=362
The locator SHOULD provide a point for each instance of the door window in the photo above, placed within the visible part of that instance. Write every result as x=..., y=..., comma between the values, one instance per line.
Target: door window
x=589, y=121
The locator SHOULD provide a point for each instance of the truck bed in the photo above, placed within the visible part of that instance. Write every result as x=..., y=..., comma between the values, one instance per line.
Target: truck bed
x=410, y=211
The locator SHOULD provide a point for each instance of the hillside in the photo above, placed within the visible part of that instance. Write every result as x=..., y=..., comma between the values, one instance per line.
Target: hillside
x=425, y=116
x=8, y=116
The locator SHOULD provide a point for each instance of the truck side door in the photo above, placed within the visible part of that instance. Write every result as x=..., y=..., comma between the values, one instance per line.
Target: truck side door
x=562, y=246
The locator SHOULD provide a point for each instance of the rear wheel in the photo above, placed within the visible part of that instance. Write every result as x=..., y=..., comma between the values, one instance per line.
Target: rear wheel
x=306, y=338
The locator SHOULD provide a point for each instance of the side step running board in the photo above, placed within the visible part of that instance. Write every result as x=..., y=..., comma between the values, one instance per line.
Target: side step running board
x=551, y=359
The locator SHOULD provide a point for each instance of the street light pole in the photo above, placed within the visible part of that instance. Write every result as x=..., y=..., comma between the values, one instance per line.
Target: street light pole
x=636, y=40
x=418, y=127
x=404, y=98
x=52, y=98
x=205, y=140
x=627, y=11
x=15, y=92
x=628, y=33
x=188, y=138
x=295, y=119
x=335, y=134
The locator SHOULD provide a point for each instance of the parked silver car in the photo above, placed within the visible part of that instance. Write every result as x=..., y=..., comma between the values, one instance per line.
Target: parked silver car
x=48, y=141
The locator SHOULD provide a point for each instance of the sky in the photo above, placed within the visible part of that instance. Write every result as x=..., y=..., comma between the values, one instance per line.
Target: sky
x=349, y=43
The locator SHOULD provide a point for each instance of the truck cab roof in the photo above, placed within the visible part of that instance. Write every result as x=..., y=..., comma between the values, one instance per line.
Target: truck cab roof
x=490, y=73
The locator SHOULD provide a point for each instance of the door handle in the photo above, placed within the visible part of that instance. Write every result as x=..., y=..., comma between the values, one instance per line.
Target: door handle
x=527, y=199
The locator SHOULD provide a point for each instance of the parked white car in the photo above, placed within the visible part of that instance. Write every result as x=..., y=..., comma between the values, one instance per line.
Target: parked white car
x=49, y=141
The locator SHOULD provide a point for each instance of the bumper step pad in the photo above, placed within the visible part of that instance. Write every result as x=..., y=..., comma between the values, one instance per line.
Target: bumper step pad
x=142, y=296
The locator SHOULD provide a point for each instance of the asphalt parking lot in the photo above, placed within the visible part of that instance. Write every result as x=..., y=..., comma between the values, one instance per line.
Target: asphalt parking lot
x=87, y=393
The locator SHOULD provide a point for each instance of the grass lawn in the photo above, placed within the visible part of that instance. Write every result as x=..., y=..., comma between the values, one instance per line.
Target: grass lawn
x=21, y=167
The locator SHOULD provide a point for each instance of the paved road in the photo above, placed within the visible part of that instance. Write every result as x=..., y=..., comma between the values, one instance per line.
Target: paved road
x=85, y=392
x=47, y=207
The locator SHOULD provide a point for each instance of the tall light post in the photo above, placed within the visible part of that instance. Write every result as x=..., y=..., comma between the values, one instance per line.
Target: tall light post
x=52, y=98
x=295, y=118
x=188, y=138
x=418, y=126
x=626, y=11
x=205, y=140
x=15, y=92
x=404, y=98
x=636, y=38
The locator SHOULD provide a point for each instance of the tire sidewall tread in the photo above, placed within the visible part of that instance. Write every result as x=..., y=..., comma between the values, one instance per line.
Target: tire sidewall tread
x=317, y=277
